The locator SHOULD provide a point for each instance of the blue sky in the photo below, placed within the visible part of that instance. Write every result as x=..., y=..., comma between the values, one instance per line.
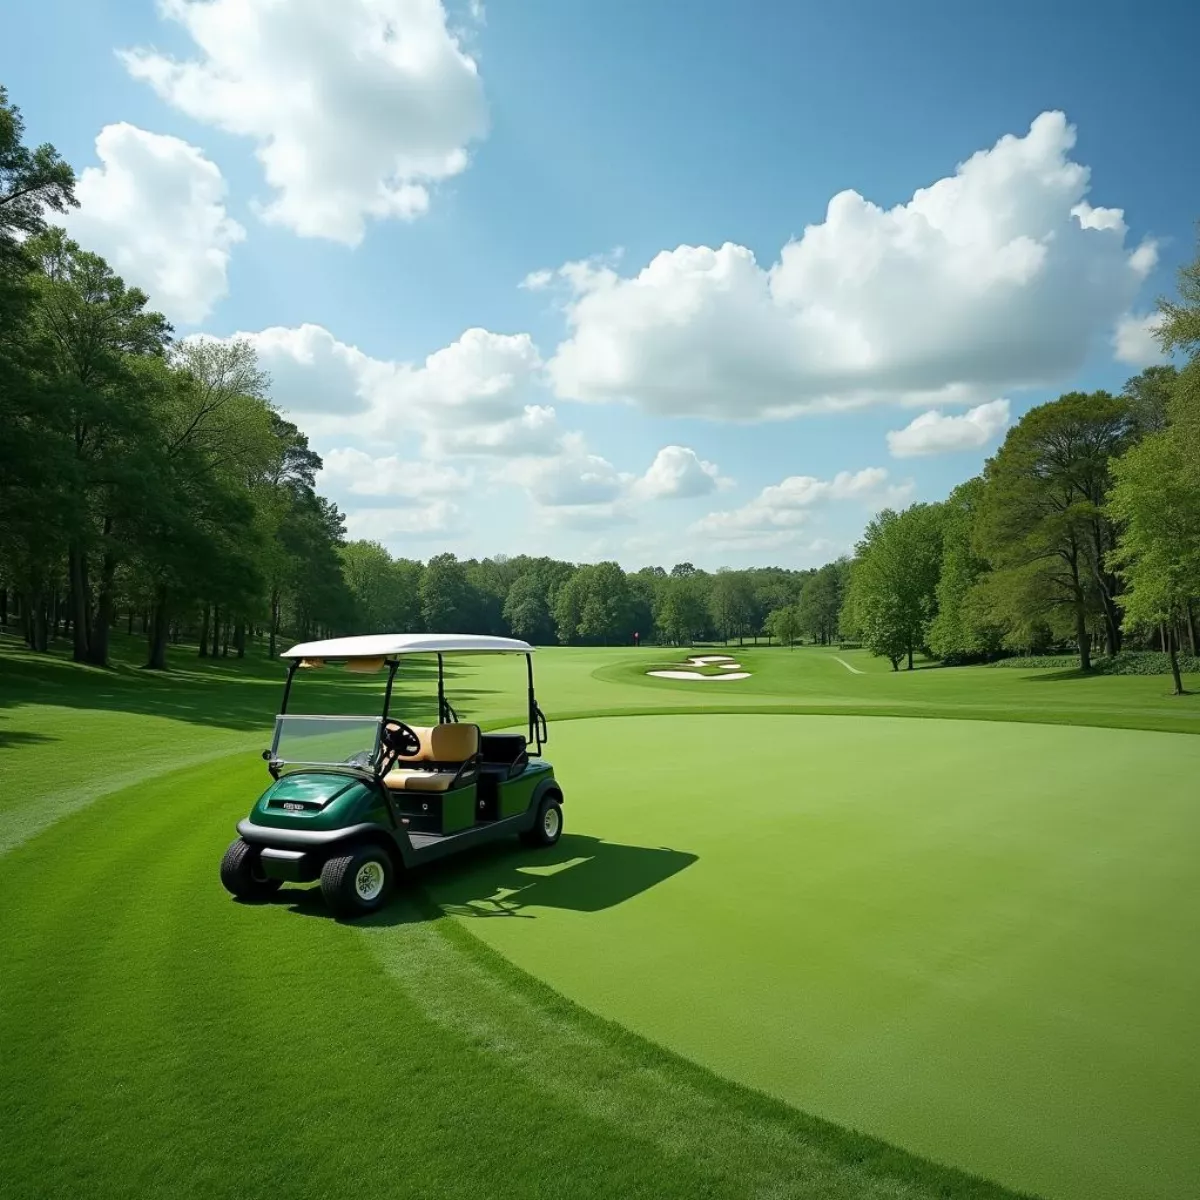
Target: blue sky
x=234, y=165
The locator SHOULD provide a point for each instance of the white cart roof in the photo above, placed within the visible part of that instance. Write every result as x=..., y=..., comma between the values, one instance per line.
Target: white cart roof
x=385, y=645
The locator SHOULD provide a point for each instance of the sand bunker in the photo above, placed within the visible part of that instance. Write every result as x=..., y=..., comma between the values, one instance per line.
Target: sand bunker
x=723, y=662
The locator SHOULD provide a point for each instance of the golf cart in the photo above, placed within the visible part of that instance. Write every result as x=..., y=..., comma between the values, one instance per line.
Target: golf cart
x=355, y=800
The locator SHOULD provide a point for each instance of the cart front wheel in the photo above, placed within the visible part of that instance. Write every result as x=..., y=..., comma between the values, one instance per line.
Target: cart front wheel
x=357, y=883
x=547, y=828
x=242, y=874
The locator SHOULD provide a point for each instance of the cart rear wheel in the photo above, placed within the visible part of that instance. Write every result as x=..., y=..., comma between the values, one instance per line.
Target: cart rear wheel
x=242, y=874
x=357, y=883
x=547, y=828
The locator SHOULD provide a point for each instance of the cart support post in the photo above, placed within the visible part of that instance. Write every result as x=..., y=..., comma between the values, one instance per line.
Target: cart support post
x=287, y=687
x=387, y=695
x=536, y=721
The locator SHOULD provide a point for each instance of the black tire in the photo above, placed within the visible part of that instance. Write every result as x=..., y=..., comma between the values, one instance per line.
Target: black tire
x=242, y=874
x=547, y=827
x=357, y=883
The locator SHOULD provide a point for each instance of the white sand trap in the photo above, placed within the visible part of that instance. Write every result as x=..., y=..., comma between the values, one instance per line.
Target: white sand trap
x=722, y=662
x=697, y=675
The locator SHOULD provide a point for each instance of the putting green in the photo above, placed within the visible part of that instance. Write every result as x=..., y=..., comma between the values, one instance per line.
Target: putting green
x=975, y=940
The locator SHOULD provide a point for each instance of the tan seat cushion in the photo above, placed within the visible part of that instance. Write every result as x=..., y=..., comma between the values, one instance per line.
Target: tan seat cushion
x=444, y=744
x=405, y=780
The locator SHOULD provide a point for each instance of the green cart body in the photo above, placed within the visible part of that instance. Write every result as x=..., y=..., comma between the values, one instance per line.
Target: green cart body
x=356, y=801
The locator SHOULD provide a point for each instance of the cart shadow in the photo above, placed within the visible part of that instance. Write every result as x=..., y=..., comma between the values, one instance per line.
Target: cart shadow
x=580, y=873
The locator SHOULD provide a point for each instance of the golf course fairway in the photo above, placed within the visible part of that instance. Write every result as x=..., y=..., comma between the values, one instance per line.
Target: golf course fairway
x=975, y=940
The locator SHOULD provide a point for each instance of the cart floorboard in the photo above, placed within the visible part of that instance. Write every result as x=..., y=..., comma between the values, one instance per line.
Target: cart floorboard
x=428, y=846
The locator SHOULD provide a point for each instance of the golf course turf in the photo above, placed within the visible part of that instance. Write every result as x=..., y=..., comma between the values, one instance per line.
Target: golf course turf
x=973, y=939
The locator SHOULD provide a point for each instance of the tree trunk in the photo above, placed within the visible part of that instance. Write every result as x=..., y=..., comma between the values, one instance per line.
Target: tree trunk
x=203, y=651
x=129, y=622
x=37, y=618
x=895, y=662
x=910, y=662
x=1083, y=638
x=1191, y=627
x=1176, y=678
x=77, y=573
x=274, y=623
x=3, y=607
x=239, y=639
x=157, y=660
x=216, y=631
x=225, y=640
x=98, y=643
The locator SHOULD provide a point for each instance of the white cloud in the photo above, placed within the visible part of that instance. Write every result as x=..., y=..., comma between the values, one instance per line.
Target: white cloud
x=355, y=108
x=774, y=517
x=155, y=209
x=935, y=433
x=573, y=478
x=361, y=474
x=470, y=397
x=998, y=276
x=678, y=472
x=390, y=525
x=537, y=280
x=1134, y=340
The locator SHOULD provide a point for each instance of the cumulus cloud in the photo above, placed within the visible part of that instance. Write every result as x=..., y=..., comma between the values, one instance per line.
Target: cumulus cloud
x=935, y=433
x=398, y=523
x=1135, y=342
x=362, y=474
x=537, y=280
x=777, y=513
x=572, y=478
x=678, y=472
x=470, y=397
x=155, y=209
x=997, y=276
x=355, y=108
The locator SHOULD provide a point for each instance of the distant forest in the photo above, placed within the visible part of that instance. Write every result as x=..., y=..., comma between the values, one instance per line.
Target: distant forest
x=150, y=484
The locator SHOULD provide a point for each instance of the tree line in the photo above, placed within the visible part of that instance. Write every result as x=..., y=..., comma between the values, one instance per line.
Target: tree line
x=151, y=483
x=142, y=480
x=1082, y=530
x=545, y=600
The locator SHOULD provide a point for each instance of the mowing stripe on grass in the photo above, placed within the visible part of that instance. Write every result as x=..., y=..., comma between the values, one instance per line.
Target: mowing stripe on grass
x=853, y=670
x=746, y=1144
x=163, y=1041
x=26, y=821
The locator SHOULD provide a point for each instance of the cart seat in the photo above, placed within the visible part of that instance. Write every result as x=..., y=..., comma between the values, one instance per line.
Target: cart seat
x=448, y=752
x=407, y=779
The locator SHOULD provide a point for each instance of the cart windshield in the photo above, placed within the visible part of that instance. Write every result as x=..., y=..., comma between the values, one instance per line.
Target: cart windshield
x=326, y=741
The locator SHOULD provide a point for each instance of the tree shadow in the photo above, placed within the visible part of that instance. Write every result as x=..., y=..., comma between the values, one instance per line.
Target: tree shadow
x=229, y=693
x=18, y=737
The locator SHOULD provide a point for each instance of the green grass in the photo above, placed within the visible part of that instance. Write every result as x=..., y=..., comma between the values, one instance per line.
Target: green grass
x=961, y=937
x=613, y=1037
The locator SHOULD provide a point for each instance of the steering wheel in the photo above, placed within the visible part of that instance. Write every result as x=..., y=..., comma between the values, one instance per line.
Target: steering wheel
x=402, y=740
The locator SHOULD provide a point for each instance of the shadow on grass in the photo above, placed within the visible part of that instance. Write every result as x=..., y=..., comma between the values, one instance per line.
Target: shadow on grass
x=580, y=873
x=229, y=693
x=10, y=738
